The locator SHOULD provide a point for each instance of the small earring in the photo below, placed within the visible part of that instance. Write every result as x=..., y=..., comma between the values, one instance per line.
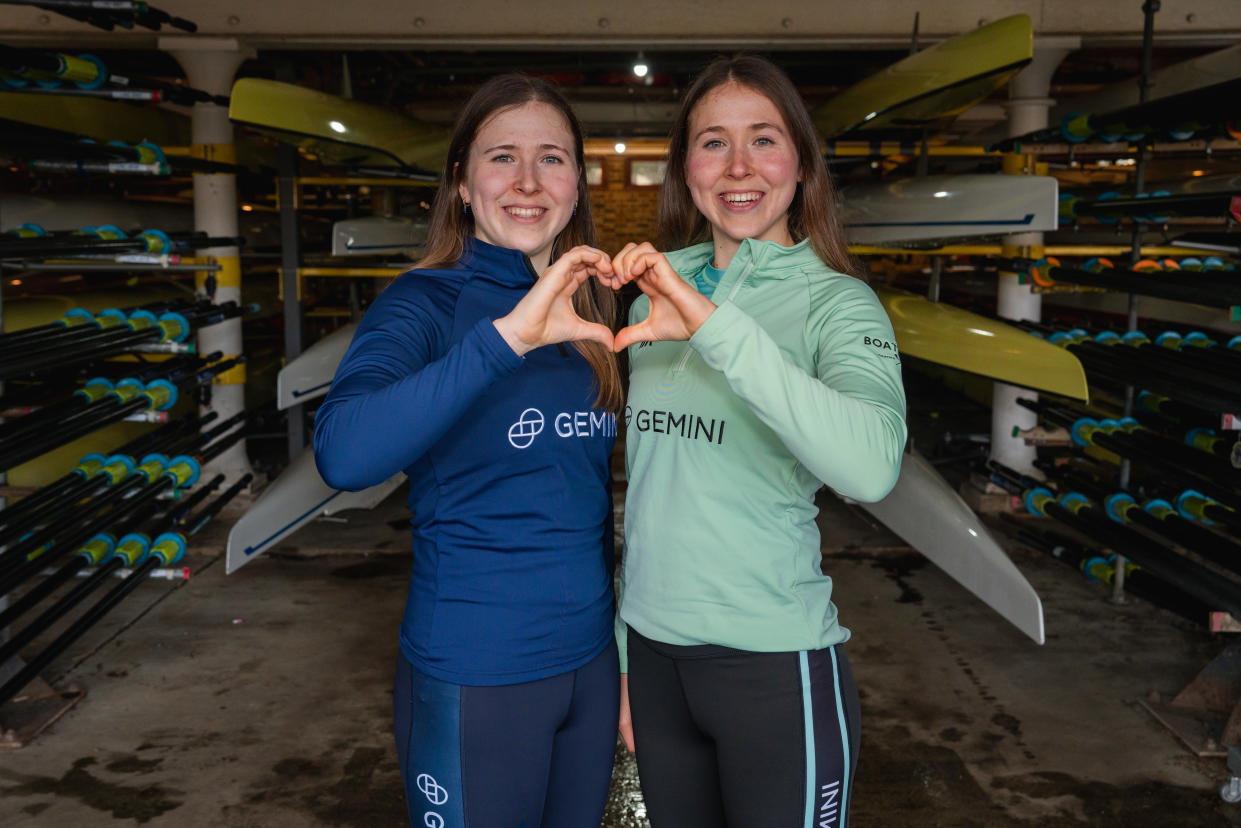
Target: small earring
x=466, y=208
x=575, y=208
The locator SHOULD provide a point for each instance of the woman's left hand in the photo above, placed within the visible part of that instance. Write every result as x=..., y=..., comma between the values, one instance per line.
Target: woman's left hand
x=677, y=309
x=545, y=315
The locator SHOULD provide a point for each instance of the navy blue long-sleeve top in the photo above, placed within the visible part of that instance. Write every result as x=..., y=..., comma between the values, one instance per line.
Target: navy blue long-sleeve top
x=508, y=466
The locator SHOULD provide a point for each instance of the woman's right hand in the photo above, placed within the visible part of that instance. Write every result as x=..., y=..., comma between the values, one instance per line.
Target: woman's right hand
x=677, y=310
x=626, y=722
x=545, y=315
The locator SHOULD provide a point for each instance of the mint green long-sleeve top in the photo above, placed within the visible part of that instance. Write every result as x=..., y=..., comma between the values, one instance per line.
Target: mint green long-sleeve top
x=792, y=383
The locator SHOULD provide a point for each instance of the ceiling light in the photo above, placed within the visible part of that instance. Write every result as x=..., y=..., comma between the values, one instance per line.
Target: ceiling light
x=1197, y=173
x=620, y=147
x=639, y=66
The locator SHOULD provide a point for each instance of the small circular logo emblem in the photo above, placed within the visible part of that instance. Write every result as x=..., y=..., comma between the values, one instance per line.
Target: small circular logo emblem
x=521, y=434
x=434, y=791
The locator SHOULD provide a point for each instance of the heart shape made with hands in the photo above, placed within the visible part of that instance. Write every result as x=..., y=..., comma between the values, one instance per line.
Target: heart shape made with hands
x=546, y=315
x=677, y=310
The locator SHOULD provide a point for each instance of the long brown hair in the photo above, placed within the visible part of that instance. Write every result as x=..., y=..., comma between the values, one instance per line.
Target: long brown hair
x=451, y=224
x=812, y=213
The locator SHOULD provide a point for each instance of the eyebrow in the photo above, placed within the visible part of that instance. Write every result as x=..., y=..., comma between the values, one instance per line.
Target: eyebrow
x=758, y=127
x=511, y=147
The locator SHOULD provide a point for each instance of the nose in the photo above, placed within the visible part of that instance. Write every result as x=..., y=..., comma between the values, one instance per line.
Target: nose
x=738, y=162
x=527, y=178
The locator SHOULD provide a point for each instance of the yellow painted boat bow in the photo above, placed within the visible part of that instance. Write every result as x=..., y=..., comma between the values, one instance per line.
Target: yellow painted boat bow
x=933, y=85
x=950, y=336
x=97, y=118
x=338, y=130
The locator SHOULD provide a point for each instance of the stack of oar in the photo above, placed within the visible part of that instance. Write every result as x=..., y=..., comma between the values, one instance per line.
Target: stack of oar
x=1102, y=568
x=1177, y=116
x=1167, y=279
x=99, y=405
x=29, y=241
x=145, y=543
x=110, y=336
x=1176, y=464
x=95, y=472
x=125, y=487
x=1207, y=378
x=88, y=75
x=1091, y=519
x=109, y=14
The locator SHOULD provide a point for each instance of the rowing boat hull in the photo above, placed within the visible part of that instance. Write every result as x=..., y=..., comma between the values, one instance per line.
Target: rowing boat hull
x=378, y=236
x=293, y=500
x=942, y=207
x=308, y=376
x=931, y=86
x=956, y=338
x=926, y=513
x=338, y=130
x=1205, y=70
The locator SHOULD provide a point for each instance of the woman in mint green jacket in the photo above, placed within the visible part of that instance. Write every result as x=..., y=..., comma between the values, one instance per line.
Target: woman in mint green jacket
x=760, y=370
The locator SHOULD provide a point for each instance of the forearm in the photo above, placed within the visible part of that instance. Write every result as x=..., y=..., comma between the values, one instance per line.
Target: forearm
x=378, y=420
x=850, y=438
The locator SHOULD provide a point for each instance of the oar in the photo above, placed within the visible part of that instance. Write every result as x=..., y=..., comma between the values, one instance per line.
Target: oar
x=87, y=398
x=1111, y=438
x=157, y=395
x=169, y=327
x=1155, y=515
x=75, y=484
x=1195, y=504
x=91, y=553
x=150, y=480
x=166, y=550
x=79, y=322
x=1075, y=510
x=1176, y=285
x=1102, y=569
x=107, y=240
x=77, y=319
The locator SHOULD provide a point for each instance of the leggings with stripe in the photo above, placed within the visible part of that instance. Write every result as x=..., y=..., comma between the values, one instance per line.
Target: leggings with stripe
x=531, y=755
x=735, y=738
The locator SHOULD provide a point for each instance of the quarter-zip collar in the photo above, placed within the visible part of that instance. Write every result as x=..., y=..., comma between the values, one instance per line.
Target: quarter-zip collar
x=499, y=264
x=756, y=259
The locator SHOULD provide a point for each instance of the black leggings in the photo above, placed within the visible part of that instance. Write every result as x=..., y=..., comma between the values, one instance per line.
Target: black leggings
x=750, y=740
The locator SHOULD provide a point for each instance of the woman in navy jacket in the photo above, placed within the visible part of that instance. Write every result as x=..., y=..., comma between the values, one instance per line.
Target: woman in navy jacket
x=487, y=375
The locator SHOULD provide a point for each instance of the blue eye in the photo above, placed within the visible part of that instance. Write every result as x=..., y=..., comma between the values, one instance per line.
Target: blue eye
x=764, y=140
x=504, y=157
x=713, y=143
x=554, y=159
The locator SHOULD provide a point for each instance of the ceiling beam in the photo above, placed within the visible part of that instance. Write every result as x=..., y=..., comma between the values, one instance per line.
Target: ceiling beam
x=648, y=24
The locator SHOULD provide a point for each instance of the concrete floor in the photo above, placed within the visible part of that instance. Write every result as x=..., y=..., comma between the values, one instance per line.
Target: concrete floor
x=263, y=698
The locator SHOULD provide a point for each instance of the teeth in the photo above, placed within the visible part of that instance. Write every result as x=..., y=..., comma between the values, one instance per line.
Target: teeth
x=741, y=198
x=525, y=212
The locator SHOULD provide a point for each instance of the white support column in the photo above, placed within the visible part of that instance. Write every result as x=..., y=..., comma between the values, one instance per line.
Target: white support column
x=209, y=65
x=1027, y=111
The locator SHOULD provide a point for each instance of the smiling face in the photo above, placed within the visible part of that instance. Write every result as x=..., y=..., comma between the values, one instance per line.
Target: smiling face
x=741, y=168
x=521, y=180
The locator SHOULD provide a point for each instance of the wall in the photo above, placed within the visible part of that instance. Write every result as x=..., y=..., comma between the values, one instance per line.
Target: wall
x=622, y=213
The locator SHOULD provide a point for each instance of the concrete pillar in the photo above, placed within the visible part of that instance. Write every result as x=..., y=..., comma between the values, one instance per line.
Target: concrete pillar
x=209, y=65
x=1028, y=106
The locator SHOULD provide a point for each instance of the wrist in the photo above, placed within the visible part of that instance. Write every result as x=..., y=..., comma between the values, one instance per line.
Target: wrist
x=701, y=314
x=506, y=328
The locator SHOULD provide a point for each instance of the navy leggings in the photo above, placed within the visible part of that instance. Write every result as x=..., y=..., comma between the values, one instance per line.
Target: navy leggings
x=531, y=755
x=742, y=739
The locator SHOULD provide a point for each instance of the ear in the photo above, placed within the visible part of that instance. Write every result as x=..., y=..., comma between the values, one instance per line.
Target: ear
x=462, y=190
